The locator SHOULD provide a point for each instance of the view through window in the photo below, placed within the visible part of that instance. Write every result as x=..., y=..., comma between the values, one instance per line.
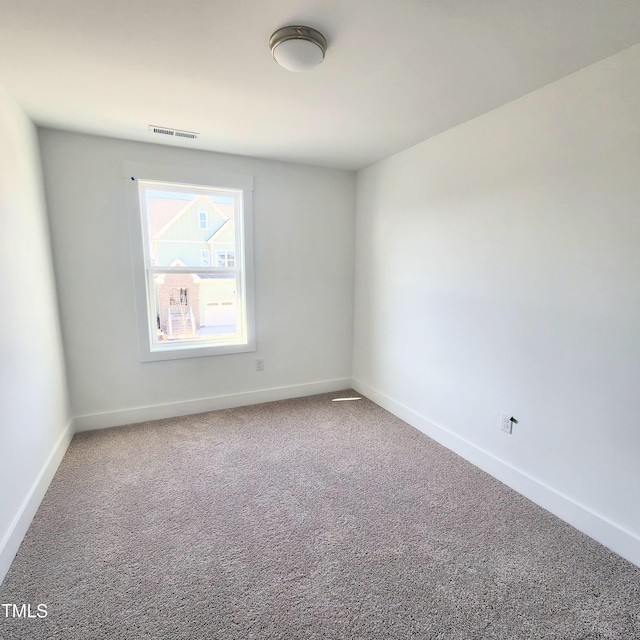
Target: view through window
x=193, y=300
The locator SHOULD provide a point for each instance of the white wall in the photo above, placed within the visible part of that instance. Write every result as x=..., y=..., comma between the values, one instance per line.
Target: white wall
x=303, y=233
x=33, y=400
x=498, y=269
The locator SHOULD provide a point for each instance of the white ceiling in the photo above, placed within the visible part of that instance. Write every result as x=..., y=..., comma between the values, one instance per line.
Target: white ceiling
x=396, y=71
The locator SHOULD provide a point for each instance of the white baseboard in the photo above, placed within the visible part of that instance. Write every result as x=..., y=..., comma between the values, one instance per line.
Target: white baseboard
x=171, y=410
x=12, y=540
x=611, y=535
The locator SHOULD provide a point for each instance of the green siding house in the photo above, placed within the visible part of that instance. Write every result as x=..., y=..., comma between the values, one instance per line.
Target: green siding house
x=202, y=234
x=200, y=219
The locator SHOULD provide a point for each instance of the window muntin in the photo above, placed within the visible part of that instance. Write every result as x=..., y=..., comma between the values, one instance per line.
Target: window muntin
x=191, y=304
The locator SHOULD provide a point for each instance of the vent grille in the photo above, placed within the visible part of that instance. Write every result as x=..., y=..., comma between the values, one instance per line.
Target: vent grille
x=165, y=131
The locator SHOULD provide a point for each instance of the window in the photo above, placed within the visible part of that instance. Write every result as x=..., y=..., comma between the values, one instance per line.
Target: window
x=186, y=306
x=226, y=258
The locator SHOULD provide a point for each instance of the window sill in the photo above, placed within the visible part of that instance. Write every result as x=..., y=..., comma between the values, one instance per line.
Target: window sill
x=195, y=351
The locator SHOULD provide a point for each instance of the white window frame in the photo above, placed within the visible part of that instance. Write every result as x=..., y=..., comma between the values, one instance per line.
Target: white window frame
x=205, y=255
x=146, y=325
x=200, y=221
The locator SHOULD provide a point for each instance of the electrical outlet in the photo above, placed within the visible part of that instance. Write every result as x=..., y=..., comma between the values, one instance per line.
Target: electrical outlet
x=259, y=364
x=505, y=423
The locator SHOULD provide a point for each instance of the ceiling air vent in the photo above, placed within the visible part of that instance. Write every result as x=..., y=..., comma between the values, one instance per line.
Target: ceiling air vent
x=165, y=131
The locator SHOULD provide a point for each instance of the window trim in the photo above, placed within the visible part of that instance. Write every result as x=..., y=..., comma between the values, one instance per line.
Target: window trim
x=197, y=176
x=200, y=221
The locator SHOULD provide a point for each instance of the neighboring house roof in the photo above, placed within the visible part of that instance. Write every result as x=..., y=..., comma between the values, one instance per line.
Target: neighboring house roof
x=216, y=276
x=227, y=208
x=164, y=210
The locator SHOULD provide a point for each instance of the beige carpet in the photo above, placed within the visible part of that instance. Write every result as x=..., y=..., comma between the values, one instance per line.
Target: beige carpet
x=302, y=519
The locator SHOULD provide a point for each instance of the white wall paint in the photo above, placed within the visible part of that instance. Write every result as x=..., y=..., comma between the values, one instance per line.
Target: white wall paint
x=303, y=234
x=497, y=269
x=33, y=399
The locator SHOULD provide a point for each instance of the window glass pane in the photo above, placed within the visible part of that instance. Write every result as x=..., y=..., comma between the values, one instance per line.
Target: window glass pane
x=225, y=258
x=181, y=225
x=195, y=307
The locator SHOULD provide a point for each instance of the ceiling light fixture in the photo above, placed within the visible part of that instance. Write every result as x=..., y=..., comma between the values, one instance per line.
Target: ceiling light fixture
x=298, y=48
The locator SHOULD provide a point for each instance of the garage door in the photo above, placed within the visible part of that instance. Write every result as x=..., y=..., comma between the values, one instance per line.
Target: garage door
x=220, y=314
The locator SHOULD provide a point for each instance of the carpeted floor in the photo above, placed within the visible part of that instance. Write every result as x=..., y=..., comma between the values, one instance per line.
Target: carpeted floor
x=302, y=519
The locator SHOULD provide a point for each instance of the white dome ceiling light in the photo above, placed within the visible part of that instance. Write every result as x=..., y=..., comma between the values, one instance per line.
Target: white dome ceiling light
x=298, y=48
